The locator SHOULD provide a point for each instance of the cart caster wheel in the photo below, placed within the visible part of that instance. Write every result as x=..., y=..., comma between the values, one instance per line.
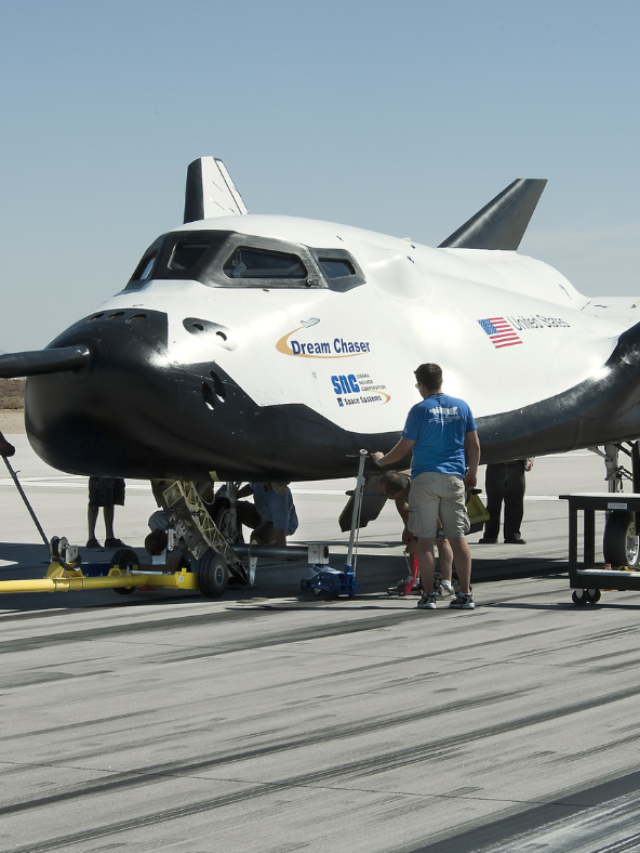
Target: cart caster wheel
x=579, y=597
x=593, y=596
x=125, y=559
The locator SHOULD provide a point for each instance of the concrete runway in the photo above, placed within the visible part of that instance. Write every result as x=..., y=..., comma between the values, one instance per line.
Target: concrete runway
x=275, y=721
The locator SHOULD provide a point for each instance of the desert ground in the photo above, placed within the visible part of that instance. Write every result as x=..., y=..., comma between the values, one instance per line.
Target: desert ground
x=12, y=406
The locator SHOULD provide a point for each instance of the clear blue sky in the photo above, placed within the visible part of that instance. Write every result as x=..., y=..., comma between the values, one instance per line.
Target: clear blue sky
x=403, y=117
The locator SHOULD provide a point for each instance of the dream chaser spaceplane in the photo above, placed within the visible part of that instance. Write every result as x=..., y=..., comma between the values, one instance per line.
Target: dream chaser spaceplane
x=274, y=348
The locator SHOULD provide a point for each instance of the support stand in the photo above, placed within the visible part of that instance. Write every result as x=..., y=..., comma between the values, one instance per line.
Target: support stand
x=586, y=578
x=14, y=477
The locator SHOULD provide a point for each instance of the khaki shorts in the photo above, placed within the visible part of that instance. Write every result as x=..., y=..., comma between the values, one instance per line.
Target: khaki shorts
x=435, y=494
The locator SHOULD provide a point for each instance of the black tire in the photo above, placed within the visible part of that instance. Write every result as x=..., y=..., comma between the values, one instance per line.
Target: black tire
x=620, y=542
x=579, y=597
x=213, y=575
x=124, y=559
x=593, y=596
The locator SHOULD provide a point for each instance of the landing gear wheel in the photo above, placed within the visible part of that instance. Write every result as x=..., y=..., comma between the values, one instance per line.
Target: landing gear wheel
x=620, y=541
x=230, y=527
x=213, y=575
x=579, y=597
x=593, y=596
x=125, y=559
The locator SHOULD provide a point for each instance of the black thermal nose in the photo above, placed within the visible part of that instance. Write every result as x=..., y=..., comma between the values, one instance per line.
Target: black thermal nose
x=132, y=412
x=96, y=419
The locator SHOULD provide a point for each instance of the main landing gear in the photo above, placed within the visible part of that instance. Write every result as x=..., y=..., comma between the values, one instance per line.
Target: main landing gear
x=620, y=544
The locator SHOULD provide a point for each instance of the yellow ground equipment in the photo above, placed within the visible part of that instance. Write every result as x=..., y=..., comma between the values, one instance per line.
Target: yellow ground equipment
x=123, y=574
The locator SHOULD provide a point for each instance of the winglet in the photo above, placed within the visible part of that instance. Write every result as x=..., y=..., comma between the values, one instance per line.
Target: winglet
x=501, y=223
x=210, y=191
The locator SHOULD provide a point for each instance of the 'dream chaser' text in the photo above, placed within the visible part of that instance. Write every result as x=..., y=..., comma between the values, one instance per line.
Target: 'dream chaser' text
x=338, y=347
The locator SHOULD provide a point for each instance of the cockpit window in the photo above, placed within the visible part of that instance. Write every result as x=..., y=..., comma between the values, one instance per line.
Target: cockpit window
x=147, y=263
x=144, y=268
x=255, y=263
x=186, y=255
x=336, y=268
x=339, y=268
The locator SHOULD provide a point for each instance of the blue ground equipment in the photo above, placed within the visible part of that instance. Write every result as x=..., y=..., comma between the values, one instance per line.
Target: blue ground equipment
x=331, y=581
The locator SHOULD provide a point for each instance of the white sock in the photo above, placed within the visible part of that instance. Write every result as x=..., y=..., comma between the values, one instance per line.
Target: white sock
x=447, y=584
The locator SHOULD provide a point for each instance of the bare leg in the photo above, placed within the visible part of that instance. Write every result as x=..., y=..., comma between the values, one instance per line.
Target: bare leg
x=445, y=558
x=108, y=521
x=426, y=562
x=462, y=556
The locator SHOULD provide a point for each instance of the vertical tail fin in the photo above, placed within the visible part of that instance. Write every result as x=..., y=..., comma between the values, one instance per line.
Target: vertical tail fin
x=501, y=223
x=210, y=191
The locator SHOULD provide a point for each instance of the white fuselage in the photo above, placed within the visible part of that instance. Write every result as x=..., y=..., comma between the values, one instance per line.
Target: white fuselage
x=350, y=355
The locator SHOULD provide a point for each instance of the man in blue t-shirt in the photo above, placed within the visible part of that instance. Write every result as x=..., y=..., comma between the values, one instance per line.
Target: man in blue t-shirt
x=437, y=430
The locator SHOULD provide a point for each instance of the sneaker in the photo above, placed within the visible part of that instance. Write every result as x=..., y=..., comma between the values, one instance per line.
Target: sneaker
x=462, y=601
x=445, y=591
x=404, y=583
x=94, y=545
x=427, y=602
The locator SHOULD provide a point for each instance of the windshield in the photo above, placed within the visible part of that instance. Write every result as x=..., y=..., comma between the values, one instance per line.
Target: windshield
x=256, y=263
x=229, y=259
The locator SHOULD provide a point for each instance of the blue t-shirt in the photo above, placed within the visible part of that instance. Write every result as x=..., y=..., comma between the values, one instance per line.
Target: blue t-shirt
x=438, y=426
x=278, y=509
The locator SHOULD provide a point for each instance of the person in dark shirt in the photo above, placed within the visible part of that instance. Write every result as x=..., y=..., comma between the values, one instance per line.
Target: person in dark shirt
x=505, y=484
x=105, y=492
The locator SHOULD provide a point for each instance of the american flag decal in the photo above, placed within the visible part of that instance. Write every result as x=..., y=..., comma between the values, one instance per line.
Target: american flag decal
x=500, y=332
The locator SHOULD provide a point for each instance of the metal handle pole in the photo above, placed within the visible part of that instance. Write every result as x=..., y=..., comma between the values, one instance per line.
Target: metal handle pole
x=355, y=518
x=26, y=501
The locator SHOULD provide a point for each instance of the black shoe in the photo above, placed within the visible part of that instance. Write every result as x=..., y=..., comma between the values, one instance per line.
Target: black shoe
x=515, y=540
x=93, y=545
x=115, y=543
x=487, y=540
